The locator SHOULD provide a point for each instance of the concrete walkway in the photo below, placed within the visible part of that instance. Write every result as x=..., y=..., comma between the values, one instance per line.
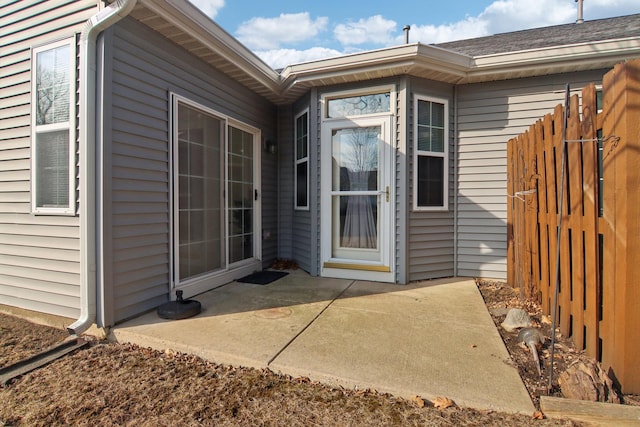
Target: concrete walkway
x=430, y=339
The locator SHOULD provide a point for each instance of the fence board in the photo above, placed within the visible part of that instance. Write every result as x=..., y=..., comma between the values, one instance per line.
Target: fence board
x=598, y=294
x=608, y=267
x=590, y=196
x=576, y=208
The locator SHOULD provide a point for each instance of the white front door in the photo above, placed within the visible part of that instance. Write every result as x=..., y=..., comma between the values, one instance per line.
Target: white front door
x=356, y=199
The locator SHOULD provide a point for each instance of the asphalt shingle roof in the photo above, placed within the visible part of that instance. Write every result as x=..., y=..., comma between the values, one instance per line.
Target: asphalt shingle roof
x=558, y=35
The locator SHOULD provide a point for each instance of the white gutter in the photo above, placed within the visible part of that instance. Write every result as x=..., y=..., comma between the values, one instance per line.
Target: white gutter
x=87, y=149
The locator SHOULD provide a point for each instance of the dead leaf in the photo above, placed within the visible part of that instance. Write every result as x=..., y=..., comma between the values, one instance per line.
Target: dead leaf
x=538, y=415
x=418, y=401
x=443, y=403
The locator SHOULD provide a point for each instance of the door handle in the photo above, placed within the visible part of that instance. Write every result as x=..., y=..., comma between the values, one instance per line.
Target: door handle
x=387, y=193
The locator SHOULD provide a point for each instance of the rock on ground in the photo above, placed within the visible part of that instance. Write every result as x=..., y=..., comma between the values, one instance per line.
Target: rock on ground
x=587, y=381
x=516, y=318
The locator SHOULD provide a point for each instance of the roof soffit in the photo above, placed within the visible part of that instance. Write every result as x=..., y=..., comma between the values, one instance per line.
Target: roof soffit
x=187, y=26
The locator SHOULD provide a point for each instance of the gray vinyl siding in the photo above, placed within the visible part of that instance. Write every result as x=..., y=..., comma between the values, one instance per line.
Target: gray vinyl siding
x=286, y=179
x=431, y=237
x=301, y=224
x=489, y=115
x=39, y=255
x=146, y=69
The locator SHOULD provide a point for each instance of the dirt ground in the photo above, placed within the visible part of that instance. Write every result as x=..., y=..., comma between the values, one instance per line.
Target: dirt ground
x=498, y=297
x=115, y=384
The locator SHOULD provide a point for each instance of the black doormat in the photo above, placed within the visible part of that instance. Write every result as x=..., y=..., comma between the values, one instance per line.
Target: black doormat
x=263, y=277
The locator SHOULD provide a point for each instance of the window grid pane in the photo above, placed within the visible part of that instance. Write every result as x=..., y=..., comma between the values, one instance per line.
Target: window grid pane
x=359, y=105
x=52, y=85
x=430, y=181
x=301, y=137
x=52, y=165
x=430, y=117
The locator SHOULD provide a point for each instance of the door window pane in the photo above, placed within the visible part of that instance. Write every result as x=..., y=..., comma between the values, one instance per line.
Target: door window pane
x=241, y=197
x=200, y=180
x=355, y=159
x=358, y=221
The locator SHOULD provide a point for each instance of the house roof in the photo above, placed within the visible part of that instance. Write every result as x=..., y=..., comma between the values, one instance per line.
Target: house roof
x=591, y=45
x=558, y=35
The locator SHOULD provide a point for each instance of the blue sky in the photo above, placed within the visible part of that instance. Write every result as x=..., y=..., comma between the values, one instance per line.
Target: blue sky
x=285, y=32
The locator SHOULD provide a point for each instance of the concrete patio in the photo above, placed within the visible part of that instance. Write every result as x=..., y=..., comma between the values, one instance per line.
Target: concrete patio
x=433, y=338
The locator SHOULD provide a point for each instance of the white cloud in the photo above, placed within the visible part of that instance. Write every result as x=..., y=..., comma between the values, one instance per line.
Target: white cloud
x=512, y=15
x=280, y=58
x=466, y=29
x=288, y=28
x=209, y=7
x=595, y=9
x=374, y=29
x=273, y=38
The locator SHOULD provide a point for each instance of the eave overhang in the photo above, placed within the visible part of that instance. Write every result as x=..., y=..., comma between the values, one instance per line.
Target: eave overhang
x=553, y=60
x=188, y=27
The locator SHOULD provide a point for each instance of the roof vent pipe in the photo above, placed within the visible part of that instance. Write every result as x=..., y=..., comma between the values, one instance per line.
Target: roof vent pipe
x=580, y=19
x=406, y=33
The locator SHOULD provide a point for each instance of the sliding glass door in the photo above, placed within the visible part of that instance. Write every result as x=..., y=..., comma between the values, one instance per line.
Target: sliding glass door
x=215, y=193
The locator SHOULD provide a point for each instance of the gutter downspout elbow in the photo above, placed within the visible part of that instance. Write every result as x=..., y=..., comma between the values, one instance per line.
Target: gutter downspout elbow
x=87, y=157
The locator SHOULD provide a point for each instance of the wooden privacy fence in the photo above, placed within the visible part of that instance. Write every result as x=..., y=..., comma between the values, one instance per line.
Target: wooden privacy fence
x=599, y=262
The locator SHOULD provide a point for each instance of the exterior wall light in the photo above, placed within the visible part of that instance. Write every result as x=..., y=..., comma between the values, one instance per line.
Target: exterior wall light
x=271, y=146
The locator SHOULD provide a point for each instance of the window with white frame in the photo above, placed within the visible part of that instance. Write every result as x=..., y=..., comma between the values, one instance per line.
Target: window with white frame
x=53, y=128
x=431, y=153
x=358, y=104
x=302, y=160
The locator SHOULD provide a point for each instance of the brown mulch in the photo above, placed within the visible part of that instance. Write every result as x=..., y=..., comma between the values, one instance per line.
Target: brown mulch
x=499, y=297
x=116, y=384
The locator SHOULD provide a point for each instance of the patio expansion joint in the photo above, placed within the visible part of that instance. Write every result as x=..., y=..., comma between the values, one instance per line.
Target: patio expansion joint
x=311, y=322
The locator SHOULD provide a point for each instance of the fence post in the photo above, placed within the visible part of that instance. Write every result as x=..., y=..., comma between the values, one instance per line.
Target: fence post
x=511, y=173
x=622, y=144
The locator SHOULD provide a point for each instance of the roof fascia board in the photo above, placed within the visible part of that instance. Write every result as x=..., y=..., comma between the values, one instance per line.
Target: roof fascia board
x=191, y=20
x=559, y=55
x=389, y=55
x=398, y=57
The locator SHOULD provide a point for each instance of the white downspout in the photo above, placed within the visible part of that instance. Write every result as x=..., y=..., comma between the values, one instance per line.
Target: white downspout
x=87, y=145
x=456, y=193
